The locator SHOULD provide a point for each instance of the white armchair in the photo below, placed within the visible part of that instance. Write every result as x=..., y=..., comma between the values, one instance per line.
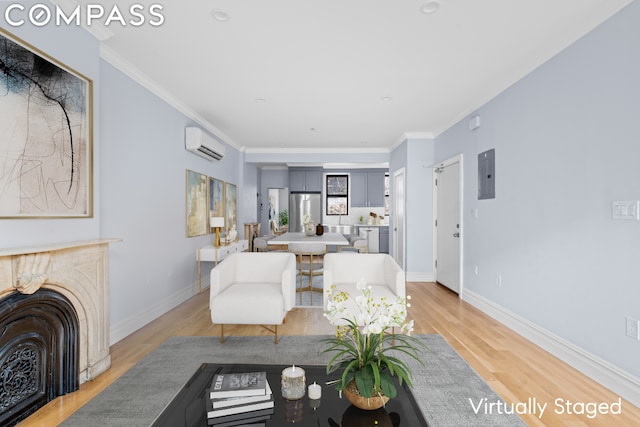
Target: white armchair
x=252, y=288
x=380, y=271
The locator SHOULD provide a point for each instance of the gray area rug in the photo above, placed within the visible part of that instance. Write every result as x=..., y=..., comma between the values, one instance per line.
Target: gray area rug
x=442, y=386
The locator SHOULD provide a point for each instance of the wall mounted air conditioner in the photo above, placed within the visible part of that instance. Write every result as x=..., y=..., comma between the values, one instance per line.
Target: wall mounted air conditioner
x=203, y=144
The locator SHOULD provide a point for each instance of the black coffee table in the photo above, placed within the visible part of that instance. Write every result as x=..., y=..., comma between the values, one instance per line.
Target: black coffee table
x=188, y=408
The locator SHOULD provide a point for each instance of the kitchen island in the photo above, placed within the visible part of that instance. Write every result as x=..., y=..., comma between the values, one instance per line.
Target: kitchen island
x=294, y=237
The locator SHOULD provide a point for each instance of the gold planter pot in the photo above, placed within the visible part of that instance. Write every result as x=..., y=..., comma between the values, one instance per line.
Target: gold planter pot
x=367, y=403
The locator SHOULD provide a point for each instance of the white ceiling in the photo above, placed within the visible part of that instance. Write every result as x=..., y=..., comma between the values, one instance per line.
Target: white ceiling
x=322, y=68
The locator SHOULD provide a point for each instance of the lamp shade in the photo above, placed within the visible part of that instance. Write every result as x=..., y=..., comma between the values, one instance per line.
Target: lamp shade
x=217, y=221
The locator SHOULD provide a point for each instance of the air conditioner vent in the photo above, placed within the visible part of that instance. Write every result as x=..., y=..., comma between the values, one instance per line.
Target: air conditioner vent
x=202, y=144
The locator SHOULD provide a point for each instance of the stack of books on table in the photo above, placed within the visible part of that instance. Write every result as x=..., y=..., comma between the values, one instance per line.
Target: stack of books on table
x=242, y=399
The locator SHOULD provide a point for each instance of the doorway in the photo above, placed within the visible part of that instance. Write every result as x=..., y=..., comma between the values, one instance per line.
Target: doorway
x=447, y=190
x=278, y=210
x=399, y=217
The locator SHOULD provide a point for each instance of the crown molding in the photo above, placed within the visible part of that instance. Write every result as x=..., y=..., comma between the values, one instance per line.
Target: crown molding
x=411, y=135
x=138, y=76
x=316, y=150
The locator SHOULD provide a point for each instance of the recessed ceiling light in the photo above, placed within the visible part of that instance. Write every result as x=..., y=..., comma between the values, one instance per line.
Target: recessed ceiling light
x=312, y=129
x=220, y=15
x=386, y=98
x=430, y=7
x=261, y=100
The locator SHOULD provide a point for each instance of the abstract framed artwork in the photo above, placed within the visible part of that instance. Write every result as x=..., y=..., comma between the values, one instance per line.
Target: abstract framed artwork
x=216, y=197
x=46, y=135
x=197, y=211
x=230, y=205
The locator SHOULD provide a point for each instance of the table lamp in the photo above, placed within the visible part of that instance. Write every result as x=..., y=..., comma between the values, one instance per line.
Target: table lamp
x=217, y=222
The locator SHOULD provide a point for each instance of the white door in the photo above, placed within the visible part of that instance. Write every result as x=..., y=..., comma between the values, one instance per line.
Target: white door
x=398, y=217
x=447, y=226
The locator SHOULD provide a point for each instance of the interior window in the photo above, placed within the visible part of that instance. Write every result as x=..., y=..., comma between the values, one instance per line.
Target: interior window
x=337, y=190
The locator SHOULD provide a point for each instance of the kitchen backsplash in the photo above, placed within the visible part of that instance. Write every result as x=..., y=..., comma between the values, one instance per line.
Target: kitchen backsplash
x=354, y=216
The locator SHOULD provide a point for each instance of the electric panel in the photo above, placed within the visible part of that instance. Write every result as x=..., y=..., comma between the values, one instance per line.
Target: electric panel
x=487, y=174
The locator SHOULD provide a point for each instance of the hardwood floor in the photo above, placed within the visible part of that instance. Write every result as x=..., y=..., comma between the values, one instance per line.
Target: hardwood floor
x=514, y=367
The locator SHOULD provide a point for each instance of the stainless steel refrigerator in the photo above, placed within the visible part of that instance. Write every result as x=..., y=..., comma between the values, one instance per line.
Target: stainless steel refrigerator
x=301, y=204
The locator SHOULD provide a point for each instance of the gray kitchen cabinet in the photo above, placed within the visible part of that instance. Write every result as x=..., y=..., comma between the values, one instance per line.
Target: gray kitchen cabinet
x=384, y=240
x=297, y=181
x=358, y=189
x=313, y=181
x=367, y=189
x=375, y=189
x=301, y=180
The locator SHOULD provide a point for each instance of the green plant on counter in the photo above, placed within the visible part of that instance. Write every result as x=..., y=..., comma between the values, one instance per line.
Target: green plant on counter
x=361, y=219
x=284, y=217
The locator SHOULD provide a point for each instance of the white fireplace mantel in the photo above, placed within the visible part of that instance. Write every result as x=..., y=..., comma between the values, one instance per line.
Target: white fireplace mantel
x=78, y=270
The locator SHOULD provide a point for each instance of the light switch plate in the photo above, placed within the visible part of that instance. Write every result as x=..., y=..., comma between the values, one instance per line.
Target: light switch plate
x=626, y=209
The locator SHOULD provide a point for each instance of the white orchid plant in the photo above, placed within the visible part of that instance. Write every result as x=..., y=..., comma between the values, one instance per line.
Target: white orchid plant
x=306, y=219
x=362, y=347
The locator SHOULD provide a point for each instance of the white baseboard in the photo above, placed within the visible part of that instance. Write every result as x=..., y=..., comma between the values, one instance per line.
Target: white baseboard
x=416, y=276
x=128, y=326
x=615, y=379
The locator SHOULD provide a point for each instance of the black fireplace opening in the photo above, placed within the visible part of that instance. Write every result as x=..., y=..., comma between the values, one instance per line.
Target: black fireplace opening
x=38, y=352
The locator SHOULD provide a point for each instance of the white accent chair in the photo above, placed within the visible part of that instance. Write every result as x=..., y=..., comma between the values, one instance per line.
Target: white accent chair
x=380, y=271
x=251, y=288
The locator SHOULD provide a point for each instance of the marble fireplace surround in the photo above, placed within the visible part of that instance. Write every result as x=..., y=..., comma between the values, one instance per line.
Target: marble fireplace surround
x=79, y=271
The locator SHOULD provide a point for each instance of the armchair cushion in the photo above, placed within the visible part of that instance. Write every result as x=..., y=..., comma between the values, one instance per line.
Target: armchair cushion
x=253, y=288
x=380, y=271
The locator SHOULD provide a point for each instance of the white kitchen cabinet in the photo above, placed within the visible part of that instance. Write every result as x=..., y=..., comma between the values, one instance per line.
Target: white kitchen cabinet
x=372, y=234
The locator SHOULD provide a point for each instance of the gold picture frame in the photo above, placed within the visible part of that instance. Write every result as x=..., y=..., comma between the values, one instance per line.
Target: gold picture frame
x=46, y=135
x=216, y=197
x=196, y=209
x=230, y=205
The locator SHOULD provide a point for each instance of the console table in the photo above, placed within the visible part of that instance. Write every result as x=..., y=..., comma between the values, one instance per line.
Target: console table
x=217, y=254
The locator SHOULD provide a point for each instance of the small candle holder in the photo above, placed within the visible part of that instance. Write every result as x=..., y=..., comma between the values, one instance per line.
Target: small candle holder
x=314, y=391
x=293, y=383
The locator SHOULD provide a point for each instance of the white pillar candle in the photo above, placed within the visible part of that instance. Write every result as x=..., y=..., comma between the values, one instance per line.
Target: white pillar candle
x=293, y=383
x=315, y=391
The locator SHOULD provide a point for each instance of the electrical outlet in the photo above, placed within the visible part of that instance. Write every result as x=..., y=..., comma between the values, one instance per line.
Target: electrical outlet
x=499, y=280
x=633, y=328
x=475, y=270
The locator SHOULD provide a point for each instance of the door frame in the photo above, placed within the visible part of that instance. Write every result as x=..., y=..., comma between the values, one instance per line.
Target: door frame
x=396, y=174
x=455, y=159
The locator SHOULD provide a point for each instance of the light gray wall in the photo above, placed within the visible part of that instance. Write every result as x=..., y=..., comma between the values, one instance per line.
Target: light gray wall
x=397, y=161
x=415, y=155
x=419, y=208
x=248, y=196
x=567, y=145
x=270, y=178
x=143, y=165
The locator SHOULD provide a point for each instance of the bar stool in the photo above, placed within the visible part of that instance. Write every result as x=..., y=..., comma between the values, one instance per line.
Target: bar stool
x=309, y=257
x=260, y=244
x=357, y=243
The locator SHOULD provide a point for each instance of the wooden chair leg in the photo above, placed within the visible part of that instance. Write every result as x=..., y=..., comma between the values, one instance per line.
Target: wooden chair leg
x=221, y=333
x=300, y=275
x=311, y=279
x=275, y=337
